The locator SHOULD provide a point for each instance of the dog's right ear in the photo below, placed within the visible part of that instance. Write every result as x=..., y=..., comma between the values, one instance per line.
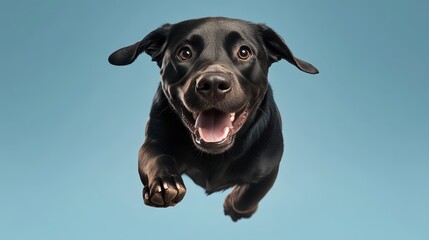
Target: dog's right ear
x=277, y=49
x=153, y=44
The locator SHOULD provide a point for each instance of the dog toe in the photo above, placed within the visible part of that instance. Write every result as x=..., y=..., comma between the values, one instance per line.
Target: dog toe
x=164, y=192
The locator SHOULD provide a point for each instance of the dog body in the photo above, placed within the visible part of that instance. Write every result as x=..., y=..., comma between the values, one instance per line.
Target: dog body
x=213, y=116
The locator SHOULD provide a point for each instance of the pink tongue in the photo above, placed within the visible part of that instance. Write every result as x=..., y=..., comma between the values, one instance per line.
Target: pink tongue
x=213, y=125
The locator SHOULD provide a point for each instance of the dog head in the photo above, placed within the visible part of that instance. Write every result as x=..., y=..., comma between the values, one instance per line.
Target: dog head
x=213, y=72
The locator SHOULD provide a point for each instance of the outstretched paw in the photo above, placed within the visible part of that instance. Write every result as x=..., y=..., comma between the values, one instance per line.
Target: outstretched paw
x=164, y=191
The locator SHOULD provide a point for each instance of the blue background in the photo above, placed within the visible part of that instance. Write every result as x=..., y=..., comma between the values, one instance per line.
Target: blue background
x=357, y=136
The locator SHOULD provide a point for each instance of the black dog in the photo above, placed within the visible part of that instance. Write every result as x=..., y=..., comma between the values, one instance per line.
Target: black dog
x=213, y=116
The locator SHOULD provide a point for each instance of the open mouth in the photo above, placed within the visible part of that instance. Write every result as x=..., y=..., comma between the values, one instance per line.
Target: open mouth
x=213, y=127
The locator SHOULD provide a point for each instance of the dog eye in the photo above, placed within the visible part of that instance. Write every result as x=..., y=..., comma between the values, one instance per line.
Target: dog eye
x=184, y=53
x=244, y=53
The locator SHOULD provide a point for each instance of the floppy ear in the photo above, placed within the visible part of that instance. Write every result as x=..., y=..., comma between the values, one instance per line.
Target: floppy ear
x=153, y=44
x=277, y=50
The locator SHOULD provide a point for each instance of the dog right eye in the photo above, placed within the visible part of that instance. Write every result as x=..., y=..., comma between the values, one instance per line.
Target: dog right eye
x=244, y=53
x=184, y=54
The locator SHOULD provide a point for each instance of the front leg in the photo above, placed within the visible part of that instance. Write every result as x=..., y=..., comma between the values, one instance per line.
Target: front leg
x=243, y=201
x=163, y=186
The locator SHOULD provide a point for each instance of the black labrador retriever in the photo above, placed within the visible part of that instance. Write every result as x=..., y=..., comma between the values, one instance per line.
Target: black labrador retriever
x=213, y=116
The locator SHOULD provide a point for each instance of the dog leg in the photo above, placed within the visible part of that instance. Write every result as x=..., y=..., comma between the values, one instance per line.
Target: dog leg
x=243, y=201
x=163, y=186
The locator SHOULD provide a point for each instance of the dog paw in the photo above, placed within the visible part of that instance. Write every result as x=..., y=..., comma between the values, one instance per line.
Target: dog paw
x=164, y=191
x=234, y=213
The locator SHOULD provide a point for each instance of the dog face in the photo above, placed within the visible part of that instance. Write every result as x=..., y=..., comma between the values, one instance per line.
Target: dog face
x=214, y=73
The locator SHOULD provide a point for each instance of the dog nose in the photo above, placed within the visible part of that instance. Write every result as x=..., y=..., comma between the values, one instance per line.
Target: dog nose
x=213, y=85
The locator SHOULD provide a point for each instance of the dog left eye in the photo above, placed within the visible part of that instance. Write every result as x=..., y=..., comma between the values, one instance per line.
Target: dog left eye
x=244, y=53
x=184, y=53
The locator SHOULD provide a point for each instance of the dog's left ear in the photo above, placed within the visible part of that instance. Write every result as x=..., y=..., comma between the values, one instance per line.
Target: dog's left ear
x=153, y=44
x=277, y=50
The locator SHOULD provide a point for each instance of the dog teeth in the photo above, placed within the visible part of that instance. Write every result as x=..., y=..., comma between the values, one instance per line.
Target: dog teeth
x=195, y=115
x=198, y=139
x=232, y=117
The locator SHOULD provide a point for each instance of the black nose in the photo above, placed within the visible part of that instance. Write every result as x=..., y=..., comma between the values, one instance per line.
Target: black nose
x=213, y=85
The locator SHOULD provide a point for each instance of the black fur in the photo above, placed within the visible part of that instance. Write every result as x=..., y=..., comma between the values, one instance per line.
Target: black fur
x=215, y=69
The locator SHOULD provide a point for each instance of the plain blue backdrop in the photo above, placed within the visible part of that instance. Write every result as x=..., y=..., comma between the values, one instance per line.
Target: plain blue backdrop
x=357, y=135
